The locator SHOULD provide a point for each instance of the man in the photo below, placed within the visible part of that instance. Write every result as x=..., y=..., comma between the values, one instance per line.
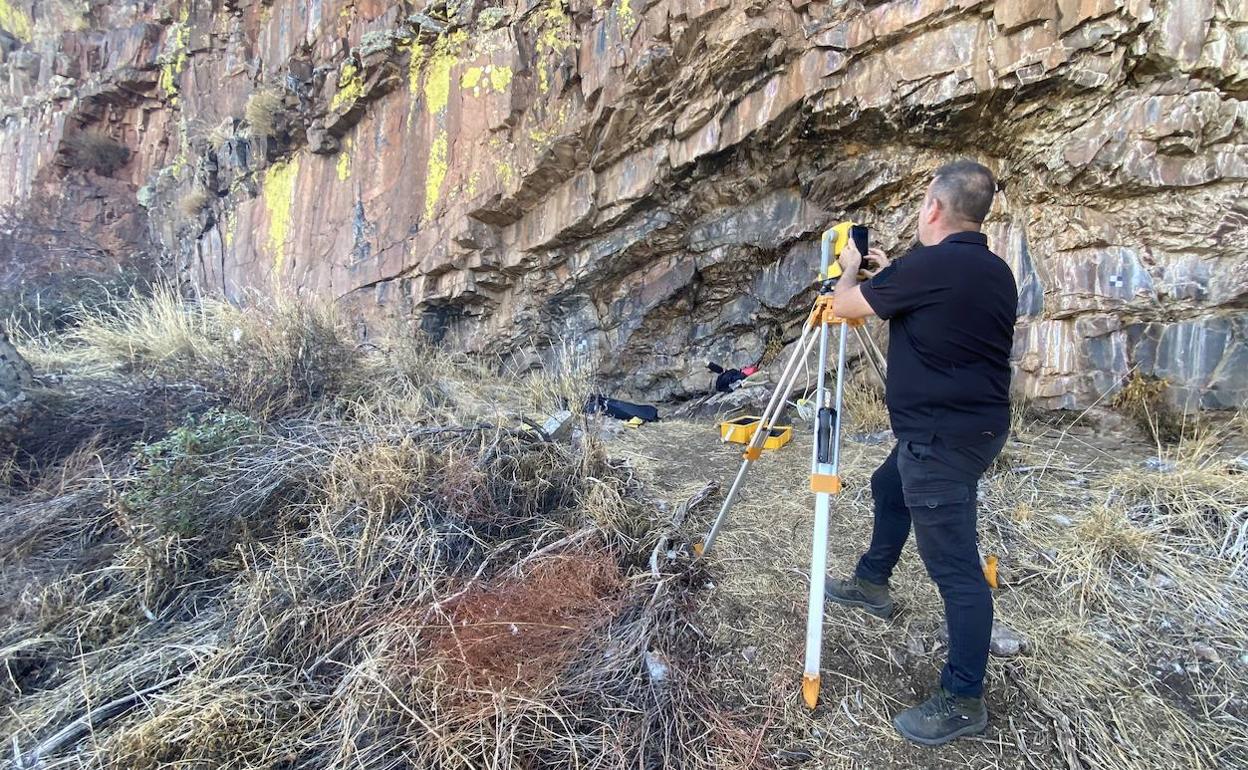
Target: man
x=951, y=306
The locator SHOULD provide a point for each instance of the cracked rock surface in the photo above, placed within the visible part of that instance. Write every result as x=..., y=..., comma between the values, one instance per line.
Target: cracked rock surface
x=646, y=179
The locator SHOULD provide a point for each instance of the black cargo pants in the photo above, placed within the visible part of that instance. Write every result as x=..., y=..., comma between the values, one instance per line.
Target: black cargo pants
x=933, y=487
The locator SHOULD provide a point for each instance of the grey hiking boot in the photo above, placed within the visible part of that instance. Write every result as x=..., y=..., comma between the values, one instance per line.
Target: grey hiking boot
x=856, y=592
x=942, y=718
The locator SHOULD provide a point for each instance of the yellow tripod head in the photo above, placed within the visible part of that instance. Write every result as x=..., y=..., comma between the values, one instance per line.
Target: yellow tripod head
x=834, y=241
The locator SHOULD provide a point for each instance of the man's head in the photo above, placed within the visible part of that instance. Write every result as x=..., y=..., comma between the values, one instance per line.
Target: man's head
x=957, y=199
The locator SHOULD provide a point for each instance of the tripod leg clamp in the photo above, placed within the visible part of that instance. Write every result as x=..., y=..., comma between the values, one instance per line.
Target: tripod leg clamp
x=823, y=433
x=825, y=482
x=752, y=453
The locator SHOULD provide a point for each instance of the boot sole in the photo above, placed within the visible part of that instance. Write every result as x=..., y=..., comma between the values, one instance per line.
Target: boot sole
x=975, y=728
x=880, y=611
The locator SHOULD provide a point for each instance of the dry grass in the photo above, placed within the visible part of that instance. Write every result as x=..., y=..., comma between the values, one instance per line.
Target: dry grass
x=1140, y=560
x=96, y=151
x=194, y=202
x=1144, y=399
x=1126, y=577
x=263, y=109
x=263, y=360
x=222, y=134
x=327, y=574
x=356, y=556
x=863, y=401
x=564, y=381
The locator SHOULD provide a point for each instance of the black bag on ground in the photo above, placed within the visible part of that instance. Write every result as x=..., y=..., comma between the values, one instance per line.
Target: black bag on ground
x=621, y=410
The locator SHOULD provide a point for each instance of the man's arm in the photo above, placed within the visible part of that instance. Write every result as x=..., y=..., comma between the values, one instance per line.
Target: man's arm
x=849, y=300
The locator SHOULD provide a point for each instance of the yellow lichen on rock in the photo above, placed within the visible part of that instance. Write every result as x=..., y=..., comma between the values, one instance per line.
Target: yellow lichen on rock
x=500, y=78
x=624, y=12
x=435, y=172
x=344, y=161
x=415, y=66
x=350, y=85
x=554, y=36
x=550, y=126
x=15, y=22
x=438, y=80
x=495, y=78
x=505, y=172
x=279, y=201
x=174, y=58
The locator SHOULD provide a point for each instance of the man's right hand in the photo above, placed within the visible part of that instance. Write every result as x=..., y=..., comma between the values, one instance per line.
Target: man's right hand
x=850, y=259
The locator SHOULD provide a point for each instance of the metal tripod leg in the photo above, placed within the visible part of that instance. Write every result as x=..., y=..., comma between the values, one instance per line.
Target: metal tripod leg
x=825, y=481
x=770, y=415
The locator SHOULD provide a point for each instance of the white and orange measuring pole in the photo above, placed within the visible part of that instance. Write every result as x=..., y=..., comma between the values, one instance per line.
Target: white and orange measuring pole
x=825, y=479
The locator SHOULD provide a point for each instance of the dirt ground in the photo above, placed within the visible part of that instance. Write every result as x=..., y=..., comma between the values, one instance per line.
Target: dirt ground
x=1079, y=696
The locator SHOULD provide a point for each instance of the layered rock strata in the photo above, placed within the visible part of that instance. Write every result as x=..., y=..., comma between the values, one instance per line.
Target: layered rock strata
x=645, y=181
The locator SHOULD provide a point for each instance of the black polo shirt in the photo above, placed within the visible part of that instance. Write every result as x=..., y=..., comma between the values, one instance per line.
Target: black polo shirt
x=951, y=310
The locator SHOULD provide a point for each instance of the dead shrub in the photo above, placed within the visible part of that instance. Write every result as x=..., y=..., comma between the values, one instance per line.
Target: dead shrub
x=521, y=631
x=1143, y=398
x=263, y=110
x=193, y=202
x=96, y=151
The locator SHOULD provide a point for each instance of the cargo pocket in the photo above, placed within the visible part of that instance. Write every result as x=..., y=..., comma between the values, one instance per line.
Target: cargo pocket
x=935, y=493
x=916, y=451
x=927, y=481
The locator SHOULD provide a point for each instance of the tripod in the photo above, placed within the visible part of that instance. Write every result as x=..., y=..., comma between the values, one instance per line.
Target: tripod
x=825, y=479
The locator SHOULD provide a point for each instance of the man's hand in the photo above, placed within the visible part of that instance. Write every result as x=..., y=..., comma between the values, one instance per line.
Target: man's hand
x=881, y=261
x=849, y=300
x=850, y=259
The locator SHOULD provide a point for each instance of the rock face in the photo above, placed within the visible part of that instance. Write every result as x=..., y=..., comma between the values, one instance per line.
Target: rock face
x=646, y=179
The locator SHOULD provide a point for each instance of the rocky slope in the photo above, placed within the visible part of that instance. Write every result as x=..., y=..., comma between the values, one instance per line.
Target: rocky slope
x=646, y=180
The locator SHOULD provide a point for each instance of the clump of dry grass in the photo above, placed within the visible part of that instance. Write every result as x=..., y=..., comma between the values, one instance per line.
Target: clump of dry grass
x=96, y=151
x=222, y=134
x=564, y=381
x=863, y=401
x=1144, y=399
x=262, y=112
x=264, y=359
x=194, y=202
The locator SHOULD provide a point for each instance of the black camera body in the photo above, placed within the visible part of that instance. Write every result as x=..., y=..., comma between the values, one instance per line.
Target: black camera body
x=862, y=239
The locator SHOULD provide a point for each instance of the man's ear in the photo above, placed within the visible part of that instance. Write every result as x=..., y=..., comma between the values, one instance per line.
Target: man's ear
x=932, y=209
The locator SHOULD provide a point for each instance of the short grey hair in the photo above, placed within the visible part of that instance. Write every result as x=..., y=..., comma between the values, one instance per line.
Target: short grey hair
x=967, y=188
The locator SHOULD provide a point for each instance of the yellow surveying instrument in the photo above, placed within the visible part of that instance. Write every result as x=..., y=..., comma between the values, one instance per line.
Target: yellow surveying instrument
x=825, y=479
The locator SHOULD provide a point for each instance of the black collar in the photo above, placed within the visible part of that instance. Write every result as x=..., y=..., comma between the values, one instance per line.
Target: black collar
x=967, y=236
